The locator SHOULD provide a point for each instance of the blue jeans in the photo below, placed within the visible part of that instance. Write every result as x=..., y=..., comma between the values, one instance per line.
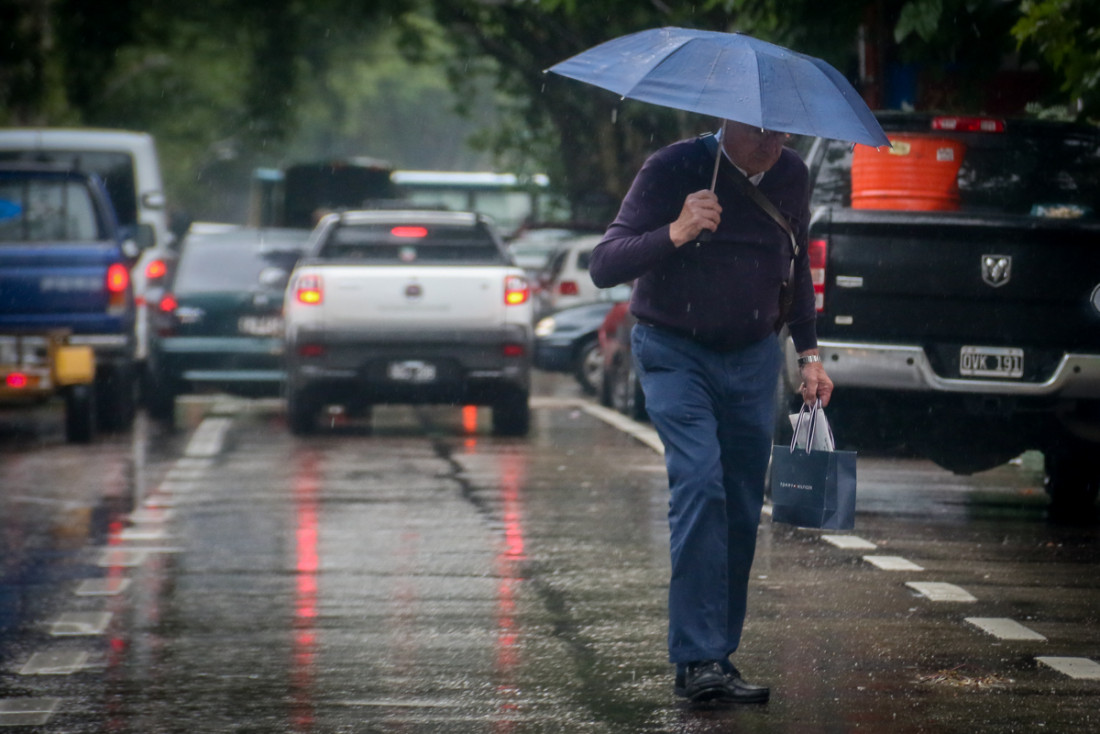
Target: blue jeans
x=714, y=412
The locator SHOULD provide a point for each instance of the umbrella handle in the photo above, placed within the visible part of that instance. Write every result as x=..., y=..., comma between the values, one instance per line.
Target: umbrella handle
x=706, y=234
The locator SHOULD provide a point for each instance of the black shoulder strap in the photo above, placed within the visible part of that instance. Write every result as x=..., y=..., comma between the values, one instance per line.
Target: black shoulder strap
x=733, y=173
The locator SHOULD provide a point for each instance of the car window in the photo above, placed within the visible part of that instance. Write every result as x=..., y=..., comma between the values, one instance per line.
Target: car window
x=206, y=267
x=116, y=170
x=1036, y=175
x=405, y=243
x=44, y=210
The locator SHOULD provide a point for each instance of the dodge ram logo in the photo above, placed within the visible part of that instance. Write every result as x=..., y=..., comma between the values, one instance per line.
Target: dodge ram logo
x=996, y=269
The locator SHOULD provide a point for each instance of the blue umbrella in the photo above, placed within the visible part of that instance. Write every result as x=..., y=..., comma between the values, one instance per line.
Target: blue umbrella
x=731, y=76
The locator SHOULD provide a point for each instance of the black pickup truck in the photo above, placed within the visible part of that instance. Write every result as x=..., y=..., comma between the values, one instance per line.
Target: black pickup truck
x=958, y=284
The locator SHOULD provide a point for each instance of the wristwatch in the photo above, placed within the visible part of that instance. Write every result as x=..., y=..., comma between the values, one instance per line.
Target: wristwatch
x=808, y=359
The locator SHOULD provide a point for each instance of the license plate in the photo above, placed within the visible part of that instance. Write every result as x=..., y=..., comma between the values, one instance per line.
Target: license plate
x=412, y=371
x=991, y=362
x=260, y=325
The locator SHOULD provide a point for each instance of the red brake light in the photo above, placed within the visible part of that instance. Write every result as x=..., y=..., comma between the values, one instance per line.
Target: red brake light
x=569, y=288
x=168, y=303
x=413, y=232
x=156, y=269
x=969, y=124
x=817, y=252
x=311, y=350
x=514, y=350
x=516, y=290
x=309, y=290
x=118, y=277
x=16, y=380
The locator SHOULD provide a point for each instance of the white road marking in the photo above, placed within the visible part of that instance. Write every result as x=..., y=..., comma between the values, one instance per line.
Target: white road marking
x=643, y=433
x=1079, y=668
x=1004, y=628
x=209, y=438
x=27, y=711
x=892, y=563
x=72, y=624
x=121, y=557
x=146, y=533
x=849, y=542
x=102, y=587
x=54, y=663
x=941, y=592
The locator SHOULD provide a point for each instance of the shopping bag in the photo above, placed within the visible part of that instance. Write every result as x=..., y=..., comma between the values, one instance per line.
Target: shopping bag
x=815, y=488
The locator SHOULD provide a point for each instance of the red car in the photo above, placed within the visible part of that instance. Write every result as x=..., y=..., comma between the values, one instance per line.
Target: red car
x=619, y=387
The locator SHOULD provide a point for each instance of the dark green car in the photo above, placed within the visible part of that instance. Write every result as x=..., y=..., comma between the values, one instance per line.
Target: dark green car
x=217, y=325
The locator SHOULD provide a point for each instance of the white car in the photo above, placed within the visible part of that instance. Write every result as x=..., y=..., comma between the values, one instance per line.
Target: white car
x=565, y=280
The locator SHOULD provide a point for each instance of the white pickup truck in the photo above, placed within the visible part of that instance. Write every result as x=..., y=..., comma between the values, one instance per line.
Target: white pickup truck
x=407, y=307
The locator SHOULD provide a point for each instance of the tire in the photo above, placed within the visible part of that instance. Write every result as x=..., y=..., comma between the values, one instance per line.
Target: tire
x=80, y=414
x=588, y=366
x=160, y=397
x=512, y=414
x=627, y=396
x=116, y=397
x=1072, y=481
x=301, y=412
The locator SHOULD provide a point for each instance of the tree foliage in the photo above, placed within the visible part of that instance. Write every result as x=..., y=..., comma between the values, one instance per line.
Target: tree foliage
x=1066, y=33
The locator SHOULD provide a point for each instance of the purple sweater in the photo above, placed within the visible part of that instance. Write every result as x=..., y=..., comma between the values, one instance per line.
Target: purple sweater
x=723, y=293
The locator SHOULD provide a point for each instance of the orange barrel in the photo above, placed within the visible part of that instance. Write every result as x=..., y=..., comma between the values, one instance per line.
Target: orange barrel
x=918, y=174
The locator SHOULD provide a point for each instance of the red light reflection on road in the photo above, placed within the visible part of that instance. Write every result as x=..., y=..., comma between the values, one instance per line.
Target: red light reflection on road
x=508, y=566
x=307, y=564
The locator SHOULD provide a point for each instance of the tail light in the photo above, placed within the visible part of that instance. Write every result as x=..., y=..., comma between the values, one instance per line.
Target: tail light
x=514, y=350
x=817, y=253
x=309, y=290
x=155, y=270
x=16, y=380
x=311, y=350
x=969, y=124
x=516, y=290
x=118, y=283
x=569, y=288
x=164, y=319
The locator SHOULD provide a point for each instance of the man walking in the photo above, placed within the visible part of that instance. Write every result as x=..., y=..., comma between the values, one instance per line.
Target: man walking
x=709, y=268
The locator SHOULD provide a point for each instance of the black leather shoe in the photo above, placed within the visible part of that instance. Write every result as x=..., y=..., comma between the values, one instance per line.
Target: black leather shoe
x=740, y=691
x=703, y=680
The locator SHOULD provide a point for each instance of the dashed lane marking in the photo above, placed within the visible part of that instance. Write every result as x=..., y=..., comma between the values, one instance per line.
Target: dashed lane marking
x=55, y=663
x=102, y=587
x=1079, y=668
x=892, y=563
x=27, y=711
x=209, y=438
x=849, y=542
x=1004, y=628
x=73, y=624
x=940, y=592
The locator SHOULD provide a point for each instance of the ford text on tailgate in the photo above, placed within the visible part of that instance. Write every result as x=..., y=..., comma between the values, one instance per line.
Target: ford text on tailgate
x=408, y=307
x=958, y=279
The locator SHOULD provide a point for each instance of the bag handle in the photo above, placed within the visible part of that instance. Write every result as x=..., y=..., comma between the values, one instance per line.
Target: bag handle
x=812, y=428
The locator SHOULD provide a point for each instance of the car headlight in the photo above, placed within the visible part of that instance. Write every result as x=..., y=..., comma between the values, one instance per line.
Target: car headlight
x=545, y=327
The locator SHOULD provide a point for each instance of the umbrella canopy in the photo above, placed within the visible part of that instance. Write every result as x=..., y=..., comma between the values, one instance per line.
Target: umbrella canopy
x=731, y=76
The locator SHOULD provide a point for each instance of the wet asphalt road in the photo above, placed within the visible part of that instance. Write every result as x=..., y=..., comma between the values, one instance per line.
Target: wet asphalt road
x=428, y=577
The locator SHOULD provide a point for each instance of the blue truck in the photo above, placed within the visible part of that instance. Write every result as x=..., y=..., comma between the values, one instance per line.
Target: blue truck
x=67, y=310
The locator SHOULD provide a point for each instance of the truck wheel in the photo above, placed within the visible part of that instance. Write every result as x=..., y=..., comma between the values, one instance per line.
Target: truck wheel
x=512, y=414
x=80, y=418
x=301, y=413
x=116, y=398
x=1072, y=481
x=588, y=366
x=160, y=401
